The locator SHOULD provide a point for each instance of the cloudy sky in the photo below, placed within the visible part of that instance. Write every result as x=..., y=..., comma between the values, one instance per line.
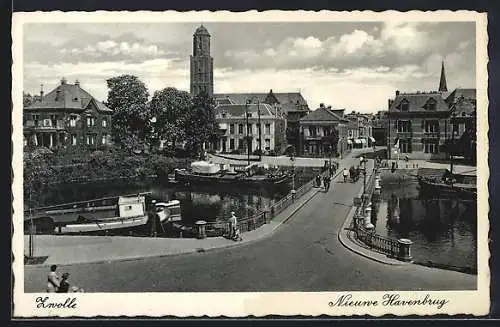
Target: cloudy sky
x=353, y=65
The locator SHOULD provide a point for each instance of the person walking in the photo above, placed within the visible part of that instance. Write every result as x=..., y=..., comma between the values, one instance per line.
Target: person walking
x=233, y=221
x=318, y=181
x=53, y=280
x=345, y=173
x=325, y=183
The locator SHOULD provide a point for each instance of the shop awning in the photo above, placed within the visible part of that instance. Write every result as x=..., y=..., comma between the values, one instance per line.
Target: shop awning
x=362, y=141
x=357, y=141
x=349, y=142
x=372, y=139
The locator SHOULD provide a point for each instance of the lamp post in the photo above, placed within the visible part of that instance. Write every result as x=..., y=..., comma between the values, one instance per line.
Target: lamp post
x=364, y=175
x=247, y=132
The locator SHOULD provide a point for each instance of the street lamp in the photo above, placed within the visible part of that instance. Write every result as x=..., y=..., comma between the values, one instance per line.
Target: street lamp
x=247, y=132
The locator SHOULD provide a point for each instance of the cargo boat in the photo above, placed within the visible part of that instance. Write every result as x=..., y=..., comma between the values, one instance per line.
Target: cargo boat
x=202, y=172
x=127, y=213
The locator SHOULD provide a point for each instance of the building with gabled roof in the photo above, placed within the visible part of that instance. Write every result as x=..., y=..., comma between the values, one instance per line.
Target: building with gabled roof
x=292, y=104
x=250, y=126
x=326, y=132
x=423, y=124
x=67, y=116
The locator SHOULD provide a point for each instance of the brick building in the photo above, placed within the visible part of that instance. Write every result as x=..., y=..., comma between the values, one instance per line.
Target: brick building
x=420, y=124
x=67, y=116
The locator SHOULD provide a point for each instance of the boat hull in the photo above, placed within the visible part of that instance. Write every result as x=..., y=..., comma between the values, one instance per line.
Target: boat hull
x=466, y=192
x=233, y=180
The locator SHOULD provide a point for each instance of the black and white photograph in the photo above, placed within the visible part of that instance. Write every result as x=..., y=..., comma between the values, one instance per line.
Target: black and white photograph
x=253, y=163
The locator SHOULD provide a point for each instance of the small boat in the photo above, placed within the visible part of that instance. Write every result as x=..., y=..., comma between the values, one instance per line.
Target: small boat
x=208, y=173
x=113, y=214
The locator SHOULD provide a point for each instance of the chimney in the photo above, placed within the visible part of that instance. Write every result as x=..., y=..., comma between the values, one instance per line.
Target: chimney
x=321, y=105
x=77, y=83
x=397, y=92
x=41, y=92
x=63, y=81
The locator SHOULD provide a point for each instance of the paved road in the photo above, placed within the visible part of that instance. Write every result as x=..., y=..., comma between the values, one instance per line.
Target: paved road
x=303, y=255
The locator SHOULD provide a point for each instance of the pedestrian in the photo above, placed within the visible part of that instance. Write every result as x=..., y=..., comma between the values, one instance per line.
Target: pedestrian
x=325, y=182
x=64, y=284
x=233, y=221
x=318, y=181
x=52, y=280
x=345, y=172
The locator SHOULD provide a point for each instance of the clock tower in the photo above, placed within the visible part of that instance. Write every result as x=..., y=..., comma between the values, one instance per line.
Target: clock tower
x=202, y=64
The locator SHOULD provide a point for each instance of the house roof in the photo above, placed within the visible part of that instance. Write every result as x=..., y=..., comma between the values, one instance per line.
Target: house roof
x=293, y=101
x=67, y=96
x=417, y=101
x=323, y=114
x=238, y=110
x=469, y=94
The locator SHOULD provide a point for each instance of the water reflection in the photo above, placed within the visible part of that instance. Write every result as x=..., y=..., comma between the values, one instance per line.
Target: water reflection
x=443, y=229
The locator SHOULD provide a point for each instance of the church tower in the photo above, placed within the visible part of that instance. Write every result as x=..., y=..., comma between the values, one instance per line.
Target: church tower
x=442, y=81
x=202, y=64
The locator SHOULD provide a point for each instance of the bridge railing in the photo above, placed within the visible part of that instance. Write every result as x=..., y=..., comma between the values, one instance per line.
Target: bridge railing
x=395, y=248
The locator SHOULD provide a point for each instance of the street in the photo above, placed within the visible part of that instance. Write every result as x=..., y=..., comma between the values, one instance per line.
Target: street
x=304, y=254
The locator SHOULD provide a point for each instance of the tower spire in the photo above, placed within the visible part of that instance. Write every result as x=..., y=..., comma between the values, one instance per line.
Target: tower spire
x=442, y=81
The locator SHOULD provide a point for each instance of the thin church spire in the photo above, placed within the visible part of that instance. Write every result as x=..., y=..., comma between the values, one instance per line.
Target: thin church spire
x=442, y=81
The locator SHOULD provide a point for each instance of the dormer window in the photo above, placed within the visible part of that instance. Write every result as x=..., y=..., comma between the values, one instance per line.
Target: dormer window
x=431, y=105
x=404, y=106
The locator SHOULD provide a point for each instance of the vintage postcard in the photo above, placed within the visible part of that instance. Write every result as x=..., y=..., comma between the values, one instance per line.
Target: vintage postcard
x=247, y=164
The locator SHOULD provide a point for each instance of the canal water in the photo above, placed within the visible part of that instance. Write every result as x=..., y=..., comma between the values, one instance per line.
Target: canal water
x=209, y=203
x=443, y=230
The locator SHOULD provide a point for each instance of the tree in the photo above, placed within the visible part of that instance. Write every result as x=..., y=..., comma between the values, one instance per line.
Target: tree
x=128, y=98
x=201, y=125
x=28, y=99
x=170, y=108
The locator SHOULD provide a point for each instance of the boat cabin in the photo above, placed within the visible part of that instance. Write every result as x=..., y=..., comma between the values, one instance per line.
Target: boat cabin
x=131, y=206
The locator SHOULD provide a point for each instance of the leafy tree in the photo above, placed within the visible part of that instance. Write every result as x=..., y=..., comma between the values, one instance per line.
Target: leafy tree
x=201, y=125
x=28, y=99
x=128, y=98
x=37, y=165
x=170, y=108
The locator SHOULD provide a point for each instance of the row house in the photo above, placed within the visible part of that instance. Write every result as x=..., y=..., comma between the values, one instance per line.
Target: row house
x=325, y=132
x=363, y=138
x=379, y=125
x=291, y=104
x=67, y=116
x=250, y=126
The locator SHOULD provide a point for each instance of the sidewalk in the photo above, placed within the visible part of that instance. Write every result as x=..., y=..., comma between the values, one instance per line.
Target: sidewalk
x=66, y=250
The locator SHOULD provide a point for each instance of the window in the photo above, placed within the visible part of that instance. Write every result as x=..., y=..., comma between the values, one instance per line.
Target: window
x=90, y=121
x=249, y=129
x=73, y=139
x=350, y=133
x=267, y=144
x=431, y=105
x=104, y=122
x=36, y=118
x=103, y=139
x=257, y=126
x=53, y=120
x=240, y=128
x=231, y=128
x=90, y=139
x=405, y=146
x=312, y=131
x=231, y=144
x=431, y=126
x=72, y=121
x=241, y=143
x=267, y=128
x=403, y=126
x=405, y=105
x=249, y=114
x=431, y=146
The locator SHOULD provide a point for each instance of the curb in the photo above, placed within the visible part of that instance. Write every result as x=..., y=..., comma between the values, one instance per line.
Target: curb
x=190, y=251
x=348, y=244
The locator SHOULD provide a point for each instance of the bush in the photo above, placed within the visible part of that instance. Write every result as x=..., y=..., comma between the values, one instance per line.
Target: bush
x=257, y=152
